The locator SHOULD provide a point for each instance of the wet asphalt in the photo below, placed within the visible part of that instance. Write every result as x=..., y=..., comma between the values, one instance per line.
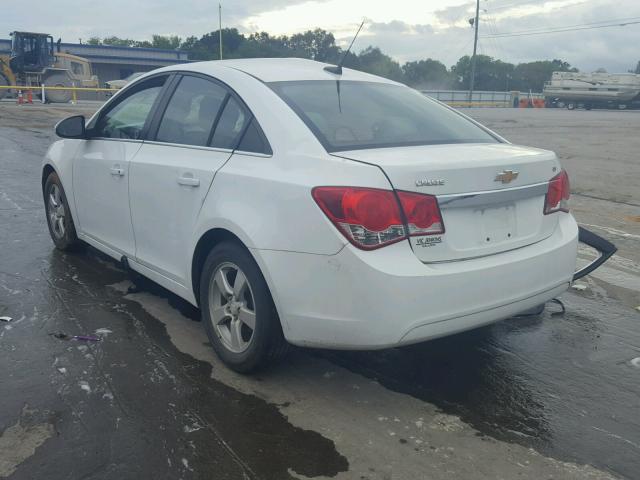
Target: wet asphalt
x=551, y=393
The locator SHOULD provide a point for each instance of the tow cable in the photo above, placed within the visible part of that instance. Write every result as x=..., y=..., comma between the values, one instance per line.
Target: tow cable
x=605, y=249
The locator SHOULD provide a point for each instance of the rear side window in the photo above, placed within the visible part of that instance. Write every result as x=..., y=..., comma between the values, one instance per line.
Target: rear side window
x=230, y=126
x=254, y=140
x=353, y=115
x=191, y=112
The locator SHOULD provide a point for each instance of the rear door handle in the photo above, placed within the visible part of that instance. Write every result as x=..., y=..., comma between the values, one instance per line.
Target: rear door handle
x=189, y=180
x=117, y=171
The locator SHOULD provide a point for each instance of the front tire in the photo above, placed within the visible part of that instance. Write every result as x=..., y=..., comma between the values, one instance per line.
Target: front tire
x=237, y=309
x=58, y=96
x=61, y=227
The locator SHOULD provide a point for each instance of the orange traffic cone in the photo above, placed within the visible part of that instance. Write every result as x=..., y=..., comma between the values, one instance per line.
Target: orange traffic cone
x=29, y=97
x=20, y=97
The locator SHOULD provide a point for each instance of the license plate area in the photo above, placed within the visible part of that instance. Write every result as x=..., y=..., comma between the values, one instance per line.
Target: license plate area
x=497, y=224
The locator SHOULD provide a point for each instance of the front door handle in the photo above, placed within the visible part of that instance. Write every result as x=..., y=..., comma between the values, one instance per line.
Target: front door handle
x=189, y=180
x=117, y=171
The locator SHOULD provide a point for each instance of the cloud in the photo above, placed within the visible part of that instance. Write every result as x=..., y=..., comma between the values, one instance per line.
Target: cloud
x=404, y=29
x=139, y=19
x=450, y=36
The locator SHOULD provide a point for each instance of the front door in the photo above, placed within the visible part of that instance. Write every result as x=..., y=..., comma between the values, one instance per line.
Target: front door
x=101, y=168
x=174, y=170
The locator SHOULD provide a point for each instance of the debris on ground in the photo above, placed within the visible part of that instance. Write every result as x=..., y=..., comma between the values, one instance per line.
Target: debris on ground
x=83, y=338
x=5, y=319
x=579, y=286
x=635, y=362
x=558, y=302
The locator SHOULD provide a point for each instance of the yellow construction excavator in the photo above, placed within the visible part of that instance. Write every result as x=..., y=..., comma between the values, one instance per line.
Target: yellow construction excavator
x=34, y=61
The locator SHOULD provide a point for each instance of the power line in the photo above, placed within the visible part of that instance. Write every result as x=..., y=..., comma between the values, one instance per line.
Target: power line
x=525, y=3
x=612, y=20
x=557, y=30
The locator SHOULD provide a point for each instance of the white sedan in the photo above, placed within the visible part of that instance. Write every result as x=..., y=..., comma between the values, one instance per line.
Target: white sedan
x=294, y=204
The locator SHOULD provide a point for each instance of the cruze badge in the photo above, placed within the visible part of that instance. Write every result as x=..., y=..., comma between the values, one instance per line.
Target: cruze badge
x=423, y=182
x=506, y=176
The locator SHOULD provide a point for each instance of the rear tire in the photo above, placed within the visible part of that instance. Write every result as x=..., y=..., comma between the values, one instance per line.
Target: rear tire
x=237, y=309
x=59, y=221
x=57, y=96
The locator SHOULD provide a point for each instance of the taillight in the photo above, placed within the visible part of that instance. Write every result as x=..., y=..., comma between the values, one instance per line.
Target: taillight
x=557, y=199
x=372, y=218
x=422, y=213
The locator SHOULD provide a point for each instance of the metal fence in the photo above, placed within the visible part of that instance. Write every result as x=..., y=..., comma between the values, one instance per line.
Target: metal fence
x=460, y=98
x=39, y=93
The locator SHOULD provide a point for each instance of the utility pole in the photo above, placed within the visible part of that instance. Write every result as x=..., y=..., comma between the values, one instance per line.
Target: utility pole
x=475, y=47
x=220, y=26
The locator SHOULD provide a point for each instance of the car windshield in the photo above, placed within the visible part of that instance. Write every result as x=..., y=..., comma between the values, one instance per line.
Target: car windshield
x=354, y=115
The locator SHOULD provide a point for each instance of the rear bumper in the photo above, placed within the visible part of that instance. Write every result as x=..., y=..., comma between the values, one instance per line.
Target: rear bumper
x=387, y=297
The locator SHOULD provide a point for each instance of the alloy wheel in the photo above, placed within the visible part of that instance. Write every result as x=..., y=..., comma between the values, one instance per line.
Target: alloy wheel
x=56, y=211
x=232, y=307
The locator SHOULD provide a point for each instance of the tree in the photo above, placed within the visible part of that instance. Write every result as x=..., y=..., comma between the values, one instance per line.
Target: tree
x=171, y=42
x=533, y=75
x=427, y=74
x=372, y=60
x=118, y=42
x=315, y=44
x=491, y=74
x=320, y=45
x=262, y=44
x=207, y=47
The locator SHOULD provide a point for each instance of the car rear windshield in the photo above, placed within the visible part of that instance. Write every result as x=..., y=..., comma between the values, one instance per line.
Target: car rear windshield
x=355, y=115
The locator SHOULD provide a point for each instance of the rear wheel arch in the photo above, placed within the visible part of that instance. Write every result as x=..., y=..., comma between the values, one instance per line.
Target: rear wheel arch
x=205, y=244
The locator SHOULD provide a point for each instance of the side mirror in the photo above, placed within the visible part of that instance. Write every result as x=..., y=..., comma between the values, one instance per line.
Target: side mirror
x=72, y=127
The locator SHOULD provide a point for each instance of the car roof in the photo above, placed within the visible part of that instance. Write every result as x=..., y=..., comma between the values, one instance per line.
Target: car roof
x=280, y=70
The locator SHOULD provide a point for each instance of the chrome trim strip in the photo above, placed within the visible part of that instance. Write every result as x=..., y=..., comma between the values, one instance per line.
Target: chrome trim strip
x=108, y=139
x=489, y=197
x=484, y=255
x=184, y=145
x=252, y=154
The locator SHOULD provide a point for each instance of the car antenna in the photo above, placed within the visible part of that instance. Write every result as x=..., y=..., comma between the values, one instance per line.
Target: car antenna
x=337, y=69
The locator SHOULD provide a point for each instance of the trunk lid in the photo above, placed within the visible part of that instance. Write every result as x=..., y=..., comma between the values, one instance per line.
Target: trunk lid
x=483, y=213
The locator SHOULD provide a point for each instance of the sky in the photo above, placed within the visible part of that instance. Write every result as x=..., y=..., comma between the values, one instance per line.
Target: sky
x=404, y=29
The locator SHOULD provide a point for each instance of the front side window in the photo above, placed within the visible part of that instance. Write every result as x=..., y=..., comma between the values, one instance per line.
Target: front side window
x=191, y=112
x=126, y=118
x=354, y=115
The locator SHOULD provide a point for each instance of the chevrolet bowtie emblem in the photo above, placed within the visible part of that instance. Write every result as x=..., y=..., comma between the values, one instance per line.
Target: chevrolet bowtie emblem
x=506, y=176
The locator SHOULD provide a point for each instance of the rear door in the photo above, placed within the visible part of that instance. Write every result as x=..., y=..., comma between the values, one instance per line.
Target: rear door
x=101, y=166
x=196, y=129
